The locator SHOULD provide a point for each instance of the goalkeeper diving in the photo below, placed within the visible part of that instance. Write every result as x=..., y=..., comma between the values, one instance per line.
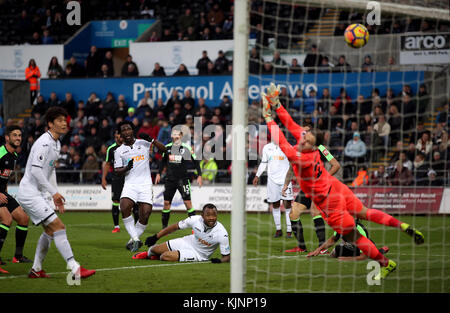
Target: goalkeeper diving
x=337, y=204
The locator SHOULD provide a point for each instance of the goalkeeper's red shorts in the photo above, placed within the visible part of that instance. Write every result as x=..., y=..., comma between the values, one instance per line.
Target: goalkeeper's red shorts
x=340, y=207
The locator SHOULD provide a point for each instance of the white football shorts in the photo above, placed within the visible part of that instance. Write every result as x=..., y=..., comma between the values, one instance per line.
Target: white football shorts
x=138, y=193
x=39, y=208
x=184, y=247
x=274, y=192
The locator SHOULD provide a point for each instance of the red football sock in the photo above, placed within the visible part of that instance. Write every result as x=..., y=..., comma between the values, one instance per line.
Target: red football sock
x=380, y=217
x=369, y=249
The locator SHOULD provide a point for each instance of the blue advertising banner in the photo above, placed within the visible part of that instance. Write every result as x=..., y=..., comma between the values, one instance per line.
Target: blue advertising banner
x=214, y=88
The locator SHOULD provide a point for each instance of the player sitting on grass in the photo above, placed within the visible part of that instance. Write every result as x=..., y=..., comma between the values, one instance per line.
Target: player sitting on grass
x=208, y=235
x=337, y=204
x=346, y=251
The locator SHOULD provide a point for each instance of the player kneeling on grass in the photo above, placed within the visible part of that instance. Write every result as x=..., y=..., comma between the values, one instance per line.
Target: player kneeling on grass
x=208, y=235
x=346, y=251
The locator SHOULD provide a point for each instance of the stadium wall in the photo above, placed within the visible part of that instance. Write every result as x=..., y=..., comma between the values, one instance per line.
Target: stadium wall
x=214, y=88
x=424, y=200
x=14, y=59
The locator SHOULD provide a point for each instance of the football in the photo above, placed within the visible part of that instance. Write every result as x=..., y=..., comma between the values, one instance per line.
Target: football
x=356, y=35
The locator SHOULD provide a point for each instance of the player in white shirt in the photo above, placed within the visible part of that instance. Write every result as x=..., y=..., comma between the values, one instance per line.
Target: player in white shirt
x=132, y=159
x=38, y=181
x=277, y=165
x=208, y=235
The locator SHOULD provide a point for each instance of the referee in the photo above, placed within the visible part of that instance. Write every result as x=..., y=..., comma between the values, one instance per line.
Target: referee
x=176, y=160
x=116, y=183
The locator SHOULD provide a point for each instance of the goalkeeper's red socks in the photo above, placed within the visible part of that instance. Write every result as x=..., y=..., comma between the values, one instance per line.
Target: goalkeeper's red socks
x=369, y=249
x=382, y=218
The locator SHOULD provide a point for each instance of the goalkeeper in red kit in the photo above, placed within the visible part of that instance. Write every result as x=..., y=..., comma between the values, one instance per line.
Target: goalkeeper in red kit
x=336, y=202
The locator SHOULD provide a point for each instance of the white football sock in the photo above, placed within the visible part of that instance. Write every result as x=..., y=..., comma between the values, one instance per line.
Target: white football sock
x=129, y=226
x=64, y=248
x=277, y=217
x=42, y=247
x=288, y=221
x=140, y=228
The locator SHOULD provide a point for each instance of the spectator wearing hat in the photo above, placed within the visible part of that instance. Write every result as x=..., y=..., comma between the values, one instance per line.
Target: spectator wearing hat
x=130, y=115
x=221, y=63
x=189, y=120
x=202, y=63
x=368, y=65
x=92, y=122
x=126, y=67
x=438, y=165
x=433, y=179
x=354, y=154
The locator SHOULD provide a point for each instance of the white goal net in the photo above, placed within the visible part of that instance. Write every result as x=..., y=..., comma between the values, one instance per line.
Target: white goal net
x=384, y=111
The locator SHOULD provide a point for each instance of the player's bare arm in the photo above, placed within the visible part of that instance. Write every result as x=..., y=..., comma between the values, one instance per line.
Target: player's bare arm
x=335, y=166
x=105, y=170
x=329, y=243
x=150, y=241
x=223, y=259
x=287, y=180
x=161, y=147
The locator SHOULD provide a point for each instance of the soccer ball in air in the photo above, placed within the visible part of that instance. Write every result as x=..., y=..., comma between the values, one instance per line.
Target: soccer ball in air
x=356, y=35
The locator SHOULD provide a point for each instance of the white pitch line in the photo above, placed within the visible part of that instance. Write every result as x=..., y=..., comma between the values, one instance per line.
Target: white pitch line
x=299, y=257
x=143, y=266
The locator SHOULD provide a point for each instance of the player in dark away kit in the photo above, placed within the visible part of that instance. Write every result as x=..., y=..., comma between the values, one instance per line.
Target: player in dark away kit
x=175, y=159
x=9, y=208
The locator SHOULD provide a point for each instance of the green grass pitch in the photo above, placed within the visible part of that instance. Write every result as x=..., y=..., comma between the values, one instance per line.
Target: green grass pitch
x=424, y=268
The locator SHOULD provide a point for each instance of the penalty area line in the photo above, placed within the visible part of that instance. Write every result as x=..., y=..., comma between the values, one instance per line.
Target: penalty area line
x=140, y=267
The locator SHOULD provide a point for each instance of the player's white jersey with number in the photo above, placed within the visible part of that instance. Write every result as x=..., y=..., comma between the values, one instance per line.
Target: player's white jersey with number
x=43, y=155
x=277, y=162
x=205, y=240
x=140, y=153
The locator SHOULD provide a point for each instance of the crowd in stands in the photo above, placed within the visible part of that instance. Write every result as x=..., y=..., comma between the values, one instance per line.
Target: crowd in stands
x=92, y=123
x=359, y=132
x=44, y=22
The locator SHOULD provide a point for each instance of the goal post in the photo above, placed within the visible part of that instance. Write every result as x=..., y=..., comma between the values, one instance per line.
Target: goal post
x=239, y=126
x=394, y=76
